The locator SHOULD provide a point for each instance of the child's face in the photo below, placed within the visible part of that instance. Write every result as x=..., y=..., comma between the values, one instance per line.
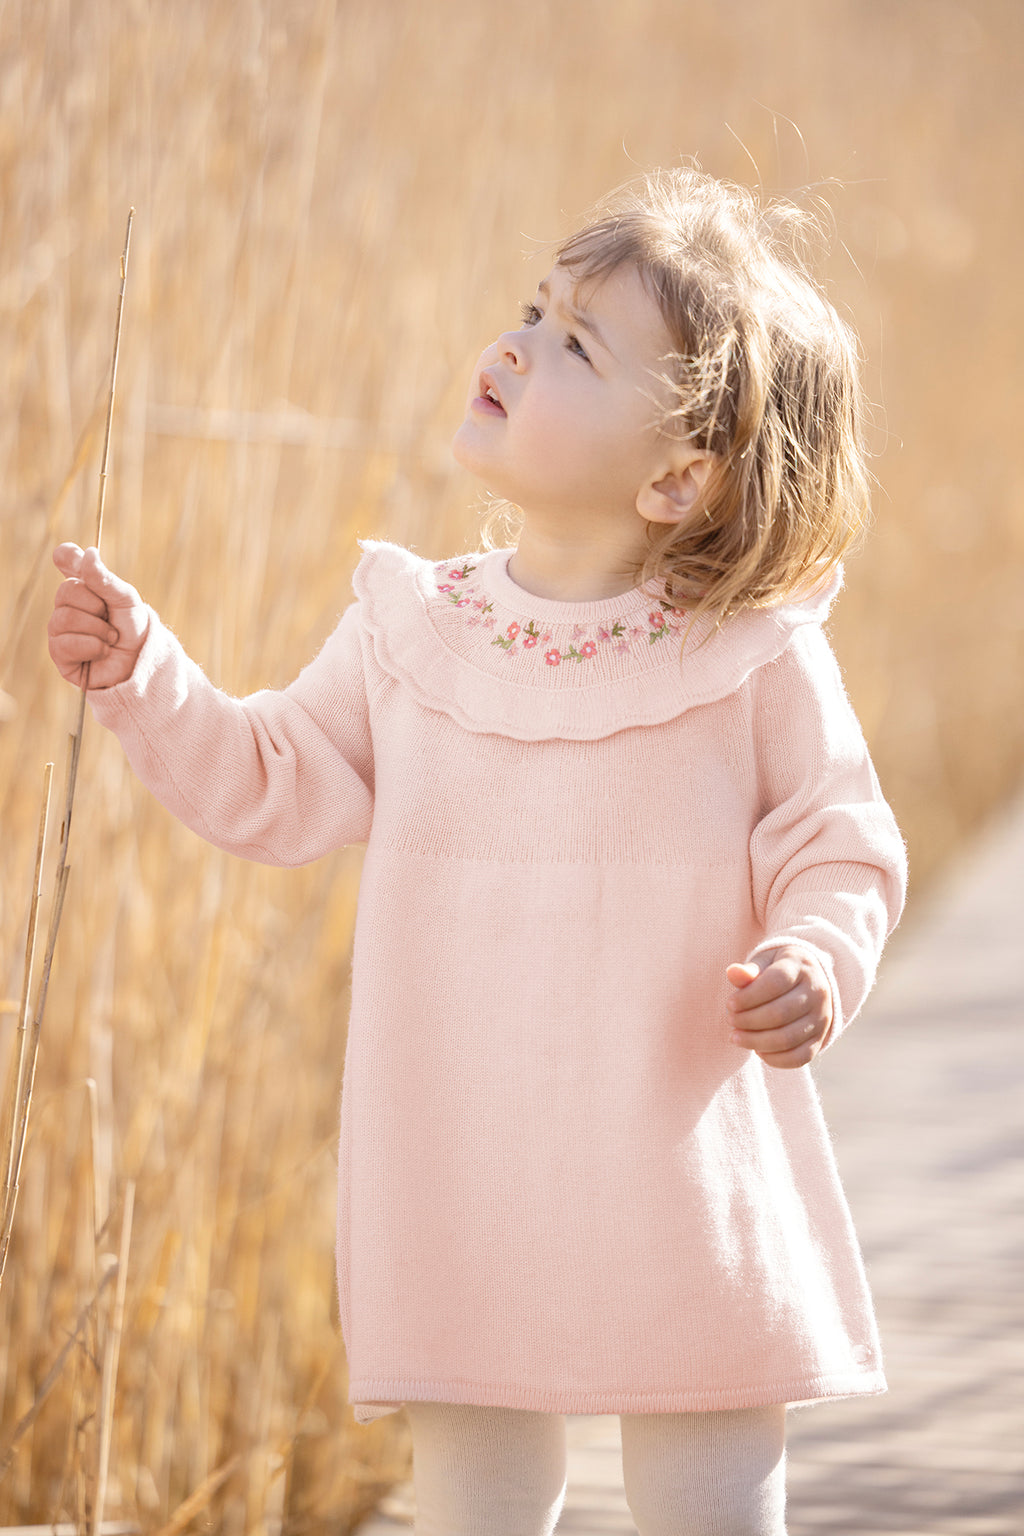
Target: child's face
x=561, y=417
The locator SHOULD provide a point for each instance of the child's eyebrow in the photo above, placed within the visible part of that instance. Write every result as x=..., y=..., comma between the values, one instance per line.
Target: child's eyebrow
x=578, y=318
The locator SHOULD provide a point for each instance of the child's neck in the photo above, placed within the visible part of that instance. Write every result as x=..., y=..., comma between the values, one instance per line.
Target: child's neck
x=568, y=572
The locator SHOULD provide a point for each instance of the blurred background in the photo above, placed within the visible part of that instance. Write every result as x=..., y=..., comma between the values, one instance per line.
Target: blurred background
x=338, y=203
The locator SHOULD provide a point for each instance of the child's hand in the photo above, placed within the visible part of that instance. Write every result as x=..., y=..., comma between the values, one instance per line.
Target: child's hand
x=782, y=1006
x=98, y=621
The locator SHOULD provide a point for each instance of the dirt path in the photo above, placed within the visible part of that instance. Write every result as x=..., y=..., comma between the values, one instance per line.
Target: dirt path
x=926, y=1102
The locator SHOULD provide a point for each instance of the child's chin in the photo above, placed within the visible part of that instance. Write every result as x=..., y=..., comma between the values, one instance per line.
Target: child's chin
x=463, y=449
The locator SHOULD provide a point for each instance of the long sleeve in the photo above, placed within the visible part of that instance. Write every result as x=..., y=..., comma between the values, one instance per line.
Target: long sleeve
x=278, y=777
x=827, y=860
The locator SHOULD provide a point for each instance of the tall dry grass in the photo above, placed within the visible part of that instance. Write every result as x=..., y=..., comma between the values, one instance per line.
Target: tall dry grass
x=334, y=202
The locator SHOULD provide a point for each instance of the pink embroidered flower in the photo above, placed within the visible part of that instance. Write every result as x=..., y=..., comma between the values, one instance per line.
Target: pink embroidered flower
x=521, y=635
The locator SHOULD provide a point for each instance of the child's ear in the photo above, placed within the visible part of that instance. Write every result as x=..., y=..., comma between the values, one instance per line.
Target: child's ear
x=673, y=492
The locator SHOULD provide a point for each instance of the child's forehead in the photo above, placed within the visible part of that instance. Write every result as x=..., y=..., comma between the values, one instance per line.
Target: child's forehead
x=593, y=285
x=620, y=292
x=582, y=279
x=583, y=287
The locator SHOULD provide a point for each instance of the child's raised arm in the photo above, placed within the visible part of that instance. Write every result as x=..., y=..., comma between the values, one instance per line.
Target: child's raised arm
x=279, y=777
x=98, y=621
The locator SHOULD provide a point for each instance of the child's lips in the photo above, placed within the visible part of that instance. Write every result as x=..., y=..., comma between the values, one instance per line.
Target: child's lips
x=488, y=401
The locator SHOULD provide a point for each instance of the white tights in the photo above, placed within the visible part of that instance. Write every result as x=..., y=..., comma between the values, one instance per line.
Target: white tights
x=501, y=1471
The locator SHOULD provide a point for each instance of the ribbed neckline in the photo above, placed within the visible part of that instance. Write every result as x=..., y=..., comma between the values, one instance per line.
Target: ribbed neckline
x=480, y=613
x=493, y=575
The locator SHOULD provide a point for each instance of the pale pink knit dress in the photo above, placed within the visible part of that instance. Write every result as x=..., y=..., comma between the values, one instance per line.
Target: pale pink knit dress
x=562, y=1187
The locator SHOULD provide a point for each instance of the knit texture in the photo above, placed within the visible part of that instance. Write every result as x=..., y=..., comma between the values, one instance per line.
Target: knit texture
x=561, y=1186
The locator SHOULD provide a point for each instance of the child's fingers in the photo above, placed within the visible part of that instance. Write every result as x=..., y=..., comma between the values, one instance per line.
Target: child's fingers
x=75, y=594
x=98, y=621
x=797, y=1056
x=775, y=1012
x=773, y=979
x=792, y=1045
x=782, y=1011
x=86, y=566
x=743, y=974
x=67, y=558
x=115, y=592
x=70, y=650
x=69, y=618
x=781, y=1037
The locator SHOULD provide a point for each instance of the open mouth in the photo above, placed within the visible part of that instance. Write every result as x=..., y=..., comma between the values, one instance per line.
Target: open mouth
x=488, y=399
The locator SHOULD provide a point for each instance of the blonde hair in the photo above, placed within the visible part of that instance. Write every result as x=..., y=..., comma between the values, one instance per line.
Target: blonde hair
x=765, y=376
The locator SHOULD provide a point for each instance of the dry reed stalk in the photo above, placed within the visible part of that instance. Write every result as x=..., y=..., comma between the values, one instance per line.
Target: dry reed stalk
x=111, y=1355
x=30, y=1037
x=28, y=1043
x=99, y=1212
x=28, y=1054
x=49, y=1381
x=76, y=740
x=23, y=601
x=198, y=1500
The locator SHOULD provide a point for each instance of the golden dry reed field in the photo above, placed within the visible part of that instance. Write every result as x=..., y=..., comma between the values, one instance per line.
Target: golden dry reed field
x=338, y=202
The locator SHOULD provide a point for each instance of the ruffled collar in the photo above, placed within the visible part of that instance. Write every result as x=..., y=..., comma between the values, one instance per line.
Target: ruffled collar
x=464, y=638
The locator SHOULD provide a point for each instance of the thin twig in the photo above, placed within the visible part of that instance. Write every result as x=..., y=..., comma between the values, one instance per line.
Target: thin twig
x=76, y=743
x=113, y=379
x=198, y=1500
x=19, y=1115
x=94, y=1137
x=111, y=1355
x=23, y=601
x=52, y=1376
x=26, y=986
x=27, y=1067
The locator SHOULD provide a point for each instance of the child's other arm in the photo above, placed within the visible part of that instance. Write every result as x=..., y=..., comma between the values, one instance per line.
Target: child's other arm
x=828, y=867
x=278, y=777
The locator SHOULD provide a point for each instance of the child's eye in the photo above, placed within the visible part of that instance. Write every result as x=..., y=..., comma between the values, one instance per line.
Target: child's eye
x=574, y=344
x=531, y=315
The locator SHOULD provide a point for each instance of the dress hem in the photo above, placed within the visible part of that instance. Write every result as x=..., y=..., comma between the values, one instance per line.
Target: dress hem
x=374, y=1399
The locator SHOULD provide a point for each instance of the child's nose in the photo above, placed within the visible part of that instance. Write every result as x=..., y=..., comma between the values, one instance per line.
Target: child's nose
x=511, y=349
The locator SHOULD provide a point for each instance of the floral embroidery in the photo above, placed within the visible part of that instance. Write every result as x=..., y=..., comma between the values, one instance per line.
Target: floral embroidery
x=662, y=621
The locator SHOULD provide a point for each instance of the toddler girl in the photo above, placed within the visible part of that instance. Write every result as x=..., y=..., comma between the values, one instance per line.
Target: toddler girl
x=628, y=870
